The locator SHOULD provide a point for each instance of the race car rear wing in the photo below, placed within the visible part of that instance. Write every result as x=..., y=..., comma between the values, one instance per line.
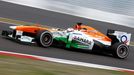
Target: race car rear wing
x=119, y=36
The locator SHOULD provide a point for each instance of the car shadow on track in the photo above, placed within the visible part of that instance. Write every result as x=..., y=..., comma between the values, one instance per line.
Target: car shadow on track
x=94, y=52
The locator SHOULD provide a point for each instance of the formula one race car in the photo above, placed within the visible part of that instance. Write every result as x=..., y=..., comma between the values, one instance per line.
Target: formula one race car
x=115, y=42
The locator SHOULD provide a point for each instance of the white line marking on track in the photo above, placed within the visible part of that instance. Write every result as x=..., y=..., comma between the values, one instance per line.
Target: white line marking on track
x=9, y=23
x=77, y=63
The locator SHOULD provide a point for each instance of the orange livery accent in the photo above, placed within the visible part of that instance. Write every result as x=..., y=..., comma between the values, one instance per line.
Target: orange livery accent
x=94, y=33
x=30, y=29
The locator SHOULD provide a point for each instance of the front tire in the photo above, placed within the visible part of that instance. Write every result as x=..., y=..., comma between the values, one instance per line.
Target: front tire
x=120, y=50
x=44, y=38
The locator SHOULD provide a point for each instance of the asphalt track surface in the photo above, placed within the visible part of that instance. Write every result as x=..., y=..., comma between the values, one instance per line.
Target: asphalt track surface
x=50, y=18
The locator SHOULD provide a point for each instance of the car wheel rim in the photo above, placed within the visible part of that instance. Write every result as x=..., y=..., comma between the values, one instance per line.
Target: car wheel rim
x=46, y=39
x=122, y=51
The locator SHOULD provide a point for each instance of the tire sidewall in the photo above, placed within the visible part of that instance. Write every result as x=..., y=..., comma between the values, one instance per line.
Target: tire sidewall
x=116, y=49
x=127, y=49
x=40, y=35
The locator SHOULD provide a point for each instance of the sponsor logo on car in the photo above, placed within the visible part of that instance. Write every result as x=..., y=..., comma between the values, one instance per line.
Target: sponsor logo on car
x=82, y=40
x=124, y=39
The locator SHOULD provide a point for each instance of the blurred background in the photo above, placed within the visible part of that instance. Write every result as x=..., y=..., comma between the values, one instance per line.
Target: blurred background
x=125, y=7
x=119, y=12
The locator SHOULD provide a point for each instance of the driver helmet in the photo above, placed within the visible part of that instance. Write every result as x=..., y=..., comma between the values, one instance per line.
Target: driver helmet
x=70, y=30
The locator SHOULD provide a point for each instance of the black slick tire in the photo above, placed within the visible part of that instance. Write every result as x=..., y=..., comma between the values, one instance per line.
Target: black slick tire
x=44, y=38
x=120, y=50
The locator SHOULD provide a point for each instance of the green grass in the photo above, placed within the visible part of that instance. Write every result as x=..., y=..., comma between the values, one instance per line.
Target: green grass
x=132, y=43
x=23, y=66
x=18, y=22
x=7, y=20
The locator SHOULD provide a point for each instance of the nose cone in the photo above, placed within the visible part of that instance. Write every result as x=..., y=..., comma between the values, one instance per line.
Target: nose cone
x=13, y=27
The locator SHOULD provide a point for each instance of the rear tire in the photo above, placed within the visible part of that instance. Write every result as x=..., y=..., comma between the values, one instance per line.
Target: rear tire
x=120, y=50
x=44, y=38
